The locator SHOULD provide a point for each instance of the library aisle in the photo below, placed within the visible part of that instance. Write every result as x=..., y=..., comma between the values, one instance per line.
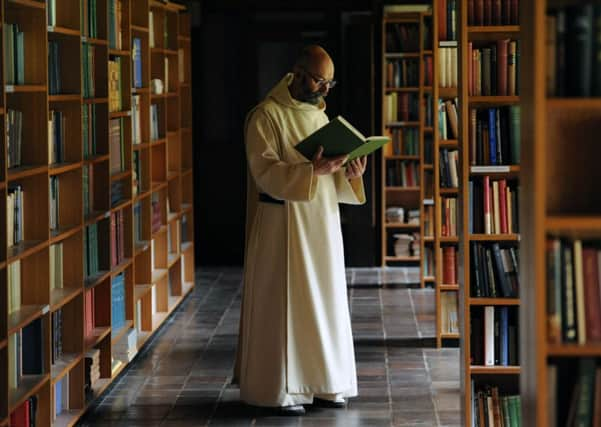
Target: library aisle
x=182, y=376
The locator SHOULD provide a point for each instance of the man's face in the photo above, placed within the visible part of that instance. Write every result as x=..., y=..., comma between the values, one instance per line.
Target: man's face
x=314, y=86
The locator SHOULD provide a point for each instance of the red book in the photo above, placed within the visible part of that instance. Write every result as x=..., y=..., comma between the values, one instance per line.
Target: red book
x=505, y=12
x=20, y=416
x=487, y=213
x=496, y=13
x=515, y=8
x=449, y=261
x=502, y=48
x=479, y=12
x=487, y=12
x=503, y=205
x=470, y=12
x=470, y=71
x=592, y=302
x=89, y=312
x=442, y=19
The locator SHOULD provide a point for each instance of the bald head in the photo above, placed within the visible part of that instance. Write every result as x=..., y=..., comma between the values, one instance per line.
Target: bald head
x=315, y=59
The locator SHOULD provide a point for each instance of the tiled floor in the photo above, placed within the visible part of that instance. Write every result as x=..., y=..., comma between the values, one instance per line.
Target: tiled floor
x=182, y=377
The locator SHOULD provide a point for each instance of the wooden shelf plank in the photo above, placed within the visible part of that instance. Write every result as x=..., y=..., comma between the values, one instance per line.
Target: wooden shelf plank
x=449, y=335
x=121, y=267
x=449, y=239
x=98, y=42
x=63, y=233
x=429, y=279
x=158, y=274
x=141, y=290
x=161, y=230
x=401, y=157
x=119, y=52
x=449, y=191
x=23, y=249
x=402, y=89
x=64, y=98
x=95, y=100
x=500, y=29
x=57, y=29
x=403, y=258
x=139, y=29
x=140, y=90
x=95, y=280
x=97, y=158
x=496, y=370
x=98, y=334
x=141, y=146
x=574, y=103
x=575, y=350
x=26, y=88
x=29, y=386
x=22, y=172
x=494, y=237
x=95, y=216
x=448, y=287
x=24, y=316
x=494, y=301
x=495, y=99
x=117, y=176
x=185, y=246
x=402, y=55
x=172, y=259
x=123, y=203
x=187, y=287
x=582, y=225
x=402, y=124
x=448, y=143
x=67, y=418
x=141, y=247
x=400, y=189
x=118, y=334
x=62, y=296
x=118, y=114
x=403, y=225
x=60, y=168
x=63, y=365
x=447, y=92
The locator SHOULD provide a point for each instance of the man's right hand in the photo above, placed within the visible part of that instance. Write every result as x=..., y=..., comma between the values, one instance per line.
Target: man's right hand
x=327, y=165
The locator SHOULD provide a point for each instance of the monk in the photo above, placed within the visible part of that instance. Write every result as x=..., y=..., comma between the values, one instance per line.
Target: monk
x=296, y=344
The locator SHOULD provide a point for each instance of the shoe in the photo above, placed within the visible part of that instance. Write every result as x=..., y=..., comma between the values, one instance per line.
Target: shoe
x=323, y=403
x=292, y=410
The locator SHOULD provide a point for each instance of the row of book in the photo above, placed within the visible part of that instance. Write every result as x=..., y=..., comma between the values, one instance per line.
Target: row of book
x=136, y=174
x=61, y=397
x=115, y=26
x=429, y=220
x=494, y=271
x=117, y=238
x=154, y=122
x=448, y=313
x=88, y=115
x=493, y=70
x=117, y=302
x=495, y=136
x=402, y=173
x=402, y=73
x=14, y=54
x=56, y=266
x=88, y=19
x=447, y=69
x=573, y=51
x=447, y=19
x=136, y=123
x=489, y=408
x=26, y=414
x=136, y=58
x=138, y=235
x=428, y=262
x=493, y=206
x=119, y=191
x=449, y=265
x=401, y=107
x=574, y=392
x=54, y=201
x=57, y=335
x=494, y=336
x=152, y=39
x=127, y=348
x=88, y=56
x=402, y=38
x=91, y=259
x=403, y=141
x=57, y=129
x=25, y=353
x=448, y=219
x=15, y=213
x=89, y=312
x=13, y=273
x=449, y=167
x=114, y=85
x=487, y=12
x=14, y=137
x=54, y=68
x=87, y=173
x=157, y=221
x=573, y=290
x=117, y=145
x=448, y=118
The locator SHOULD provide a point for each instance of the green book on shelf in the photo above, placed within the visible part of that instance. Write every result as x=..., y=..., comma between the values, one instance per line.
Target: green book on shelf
x=339, y=137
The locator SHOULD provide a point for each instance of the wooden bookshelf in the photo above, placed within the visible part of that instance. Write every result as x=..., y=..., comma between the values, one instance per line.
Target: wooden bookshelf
x=444, y=89
x=559, y=216
x=406, y=173
x=87, y=158
x=486, y=365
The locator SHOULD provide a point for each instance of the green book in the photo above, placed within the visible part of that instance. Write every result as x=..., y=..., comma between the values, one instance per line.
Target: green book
x=339, y=137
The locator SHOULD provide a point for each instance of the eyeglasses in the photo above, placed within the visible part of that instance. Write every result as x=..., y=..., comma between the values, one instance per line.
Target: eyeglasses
x=320, y=81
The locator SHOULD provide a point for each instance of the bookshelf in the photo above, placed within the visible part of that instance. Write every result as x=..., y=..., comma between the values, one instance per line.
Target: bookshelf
x=559, y=334
x=408, y=236
x=489, y=226
x=98, y=249
x=446, y=175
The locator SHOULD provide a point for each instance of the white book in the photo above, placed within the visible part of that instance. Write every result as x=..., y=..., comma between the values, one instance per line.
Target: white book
x=153, y=296
x=151, y=29
x=489, y=335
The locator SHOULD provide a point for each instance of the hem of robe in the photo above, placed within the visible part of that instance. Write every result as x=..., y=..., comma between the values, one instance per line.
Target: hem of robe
x=288, y=399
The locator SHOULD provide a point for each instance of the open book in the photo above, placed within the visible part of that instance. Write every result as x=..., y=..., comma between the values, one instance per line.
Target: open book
x=340, y=137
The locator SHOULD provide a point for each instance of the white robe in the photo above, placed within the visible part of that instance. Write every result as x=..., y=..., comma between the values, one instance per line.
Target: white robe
x=295, y=338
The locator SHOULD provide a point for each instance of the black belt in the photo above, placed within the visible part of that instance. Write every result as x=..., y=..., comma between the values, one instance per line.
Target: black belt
x=266, y=198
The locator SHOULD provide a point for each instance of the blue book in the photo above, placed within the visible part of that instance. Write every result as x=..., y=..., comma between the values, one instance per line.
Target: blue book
x=58, y=397
x=504, y=335
x=137, y=58
x=492, y=135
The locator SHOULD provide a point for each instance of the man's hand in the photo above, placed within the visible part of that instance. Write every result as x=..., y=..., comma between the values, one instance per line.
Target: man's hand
x=327, y=165
x=356, y=167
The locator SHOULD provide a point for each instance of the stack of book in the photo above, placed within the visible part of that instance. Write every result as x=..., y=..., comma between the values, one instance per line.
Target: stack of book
x=56, y=137
x=126, y=349
x=54, y=68
x=14, y=137
x=25, y=415
x=15, y=212
x=57, y=335
x=92, y=369
x=14, y=54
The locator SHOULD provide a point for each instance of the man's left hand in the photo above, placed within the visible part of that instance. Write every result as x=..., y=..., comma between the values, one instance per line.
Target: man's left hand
x=356, y=167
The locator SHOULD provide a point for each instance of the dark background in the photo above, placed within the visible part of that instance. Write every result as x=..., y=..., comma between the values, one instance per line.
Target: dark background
x=241, y=49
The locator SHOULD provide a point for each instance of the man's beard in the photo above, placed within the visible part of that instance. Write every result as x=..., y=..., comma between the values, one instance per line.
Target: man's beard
x=313, y=98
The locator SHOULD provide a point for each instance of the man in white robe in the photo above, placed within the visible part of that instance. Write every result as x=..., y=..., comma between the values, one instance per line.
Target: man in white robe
x=296, y=343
